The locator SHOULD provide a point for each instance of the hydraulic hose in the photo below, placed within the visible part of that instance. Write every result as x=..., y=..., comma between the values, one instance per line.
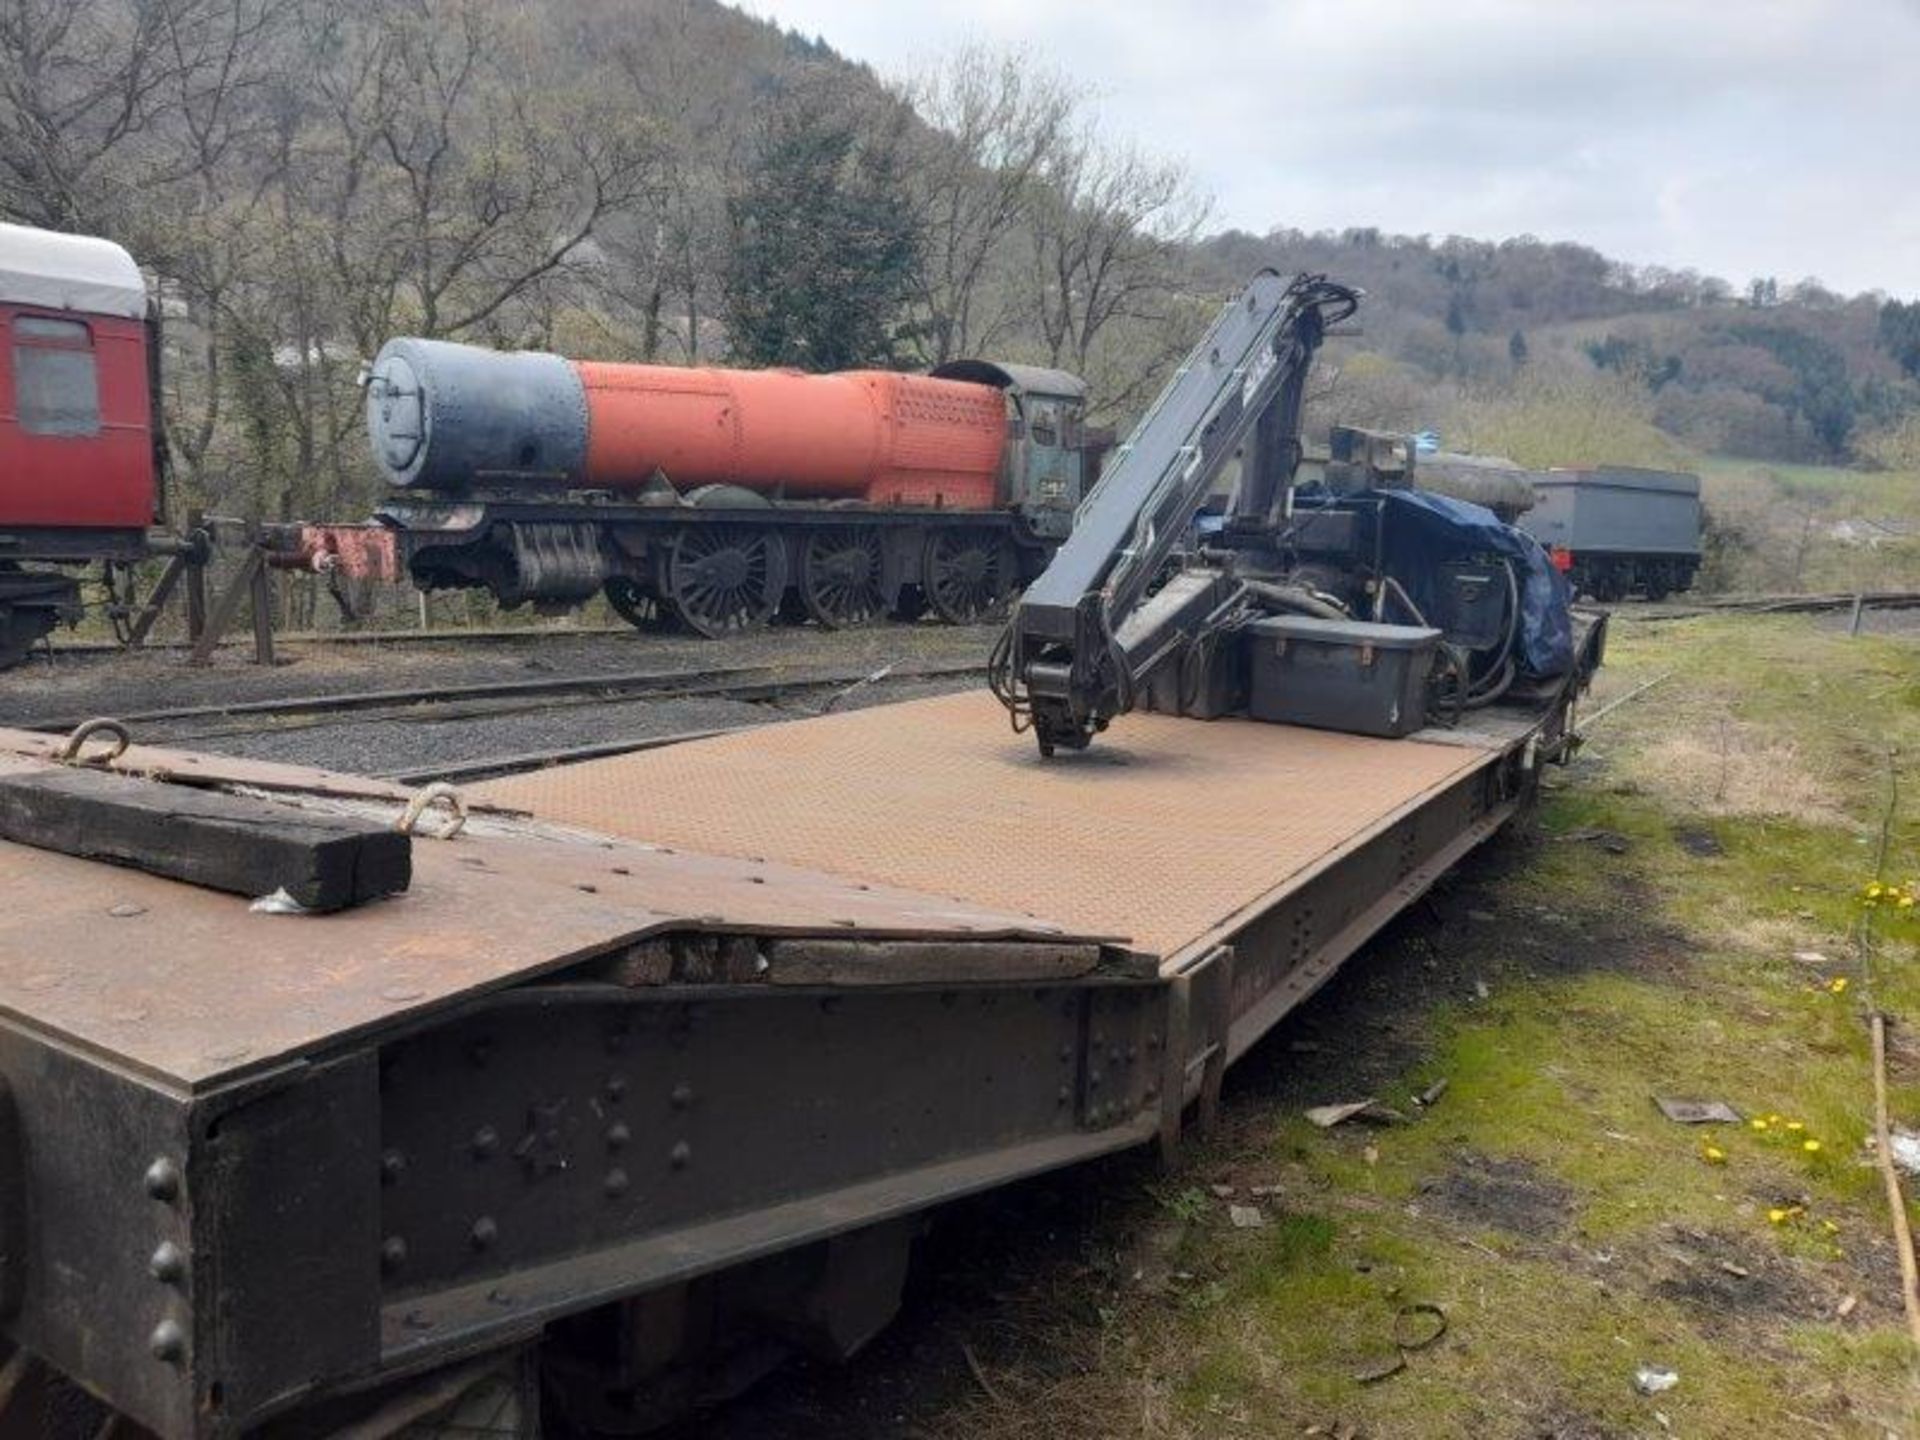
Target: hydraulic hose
x=1296, y=598
x=1391, y=586
x=1502, y=669
x=1479, y=699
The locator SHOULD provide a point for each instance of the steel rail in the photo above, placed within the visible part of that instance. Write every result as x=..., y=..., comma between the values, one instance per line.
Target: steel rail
x=441, y=635
x=490, y=767
x=715, y=680
x=1653, y=612
x=750, y=691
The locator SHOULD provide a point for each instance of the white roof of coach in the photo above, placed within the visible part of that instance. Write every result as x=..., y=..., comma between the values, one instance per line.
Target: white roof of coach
x=69, y=272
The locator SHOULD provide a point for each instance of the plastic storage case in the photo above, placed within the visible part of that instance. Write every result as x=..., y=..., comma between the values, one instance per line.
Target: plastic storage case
x=1347, y=675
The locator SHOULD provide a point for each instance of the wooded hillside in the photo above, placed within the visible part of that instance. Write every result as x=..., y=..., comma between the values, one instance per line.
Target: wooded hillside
x=673, y=180
x=1790, y=373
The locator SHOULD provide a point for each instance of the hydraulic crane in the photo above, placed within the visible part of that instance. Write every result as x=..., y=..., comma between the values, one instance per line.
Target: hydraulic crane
x=1136, y=611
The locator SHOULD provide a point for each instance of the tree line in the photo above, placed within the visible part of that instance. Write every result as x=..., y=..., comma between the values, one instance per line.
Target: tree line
x=667, y=181
x=674, y=181
x=1457, y=328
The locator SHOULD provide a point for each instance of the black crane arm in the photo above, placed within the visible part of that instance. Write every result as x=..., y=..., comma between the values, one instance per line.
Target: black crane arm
x=1086, y=632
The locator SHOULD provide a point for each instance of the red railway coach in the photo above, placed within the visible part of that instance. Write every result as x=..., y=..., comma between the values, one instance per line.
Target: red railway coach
x=78, y=472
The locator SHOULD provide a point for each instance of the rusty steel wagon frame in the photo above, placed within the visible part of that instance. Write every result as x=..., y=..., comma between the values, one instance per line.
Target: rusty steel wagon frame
x=452, y=1127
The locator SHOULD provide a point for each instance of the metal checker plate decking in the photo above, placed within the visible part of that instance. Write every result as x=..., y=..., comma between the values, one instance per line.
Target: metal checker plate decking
x=189, y=986
x=1163, y=832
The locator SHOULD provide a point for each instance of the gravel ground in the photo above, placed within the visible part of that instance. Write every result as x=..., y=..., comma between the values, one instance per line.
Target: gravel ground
x=382, y=744
x=107, y=684
x=388, y=741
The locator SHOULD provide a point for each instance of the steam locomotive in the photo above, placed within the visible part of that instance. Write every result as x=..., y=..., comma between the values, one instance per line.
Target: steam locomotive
x=725, y=498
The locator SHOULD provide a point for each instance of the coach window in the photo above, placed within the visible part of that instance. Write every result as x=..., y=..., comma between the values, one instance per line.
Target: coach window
x=56, y=382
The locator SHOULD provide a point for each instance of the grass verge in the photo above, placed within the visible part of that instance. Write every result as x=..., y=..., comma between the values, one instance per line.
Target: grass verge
x=1677, y=920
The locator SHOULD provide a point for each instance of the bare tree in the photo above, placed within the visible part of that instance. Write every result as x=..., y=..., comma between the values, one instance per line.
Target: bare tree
x=78, y=80
x=484, y=181
x=1108, y=228
x=137, y=119
x=425, y=176
x=196, y=223
x=106, y=104
x=668, y=253
x=995, y=123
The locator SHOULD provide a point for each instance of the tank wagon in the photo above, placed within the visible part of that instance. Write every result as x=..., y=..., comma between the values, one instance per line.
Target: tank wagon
x=1616, y=529
x=725, y=498
x=80, y=478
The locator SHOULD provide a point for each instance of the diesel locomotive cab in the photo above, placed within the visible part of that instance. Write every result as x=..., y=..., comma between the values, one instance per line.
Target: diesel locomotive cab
x=1051, y=456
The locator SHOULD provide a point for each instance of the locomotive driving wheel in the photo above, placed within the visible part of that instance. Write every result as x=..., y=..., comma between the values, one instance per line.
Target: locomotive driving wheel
x=726, y=579
x=638, y=606
x=840, y=576
x=966, y=574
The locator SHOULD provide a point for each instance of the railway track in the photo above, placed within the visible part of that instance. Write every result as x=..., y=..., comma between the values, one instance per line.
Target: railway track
x=489, y=767
x=499, y=635
x=475, y=731
x=1770, y=605
x=741, y=682
x=1777, y=603
x=480, y=728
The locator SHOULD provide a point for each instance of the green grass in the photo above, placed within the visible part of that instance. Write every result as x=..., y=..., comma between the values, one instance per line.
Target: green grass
x=1554, y=1073
x=1771, y=526
x=1846, y=490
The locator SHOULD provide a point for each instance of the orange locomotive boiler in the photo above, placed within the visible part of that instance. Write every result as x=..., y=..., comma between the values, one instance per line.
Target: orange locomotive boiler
x=722, y=498
x=877, y=436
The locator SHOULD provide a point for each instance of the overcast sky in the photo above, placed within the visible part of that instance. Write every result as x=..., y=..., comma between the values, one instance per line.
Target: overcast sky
x=1737, y=137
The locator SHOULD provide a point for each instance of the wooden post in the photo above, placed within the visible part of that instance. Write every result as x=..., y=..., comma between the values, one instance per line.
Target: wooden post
x=1853, y=620
x=156, y=602
x=227, y=607
x=197, y=580
x=260, y=583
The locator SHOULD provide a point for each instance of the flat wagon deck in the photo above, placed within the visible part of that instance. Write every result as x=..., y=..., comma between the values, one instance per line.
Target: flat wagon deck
x=1182, y=839
x=739, y=1007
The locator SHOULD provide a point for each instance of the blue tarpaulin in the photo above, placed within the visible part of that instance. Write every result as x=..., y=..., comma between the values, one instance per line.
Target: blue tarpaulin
x=1423, y=531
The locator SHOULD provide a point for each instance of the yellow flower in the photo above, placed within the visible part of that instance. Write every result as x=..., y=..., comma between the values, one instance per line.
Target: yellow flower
x=1795, y=1125
x=1905, y=902
x=1829, y=1227
x=1715, y=1155
x=1777, y=1216
x=1874, y=892
x=1757, y=1123
x=1812, y=1147
x=1838, y=985
x=1773, y=1119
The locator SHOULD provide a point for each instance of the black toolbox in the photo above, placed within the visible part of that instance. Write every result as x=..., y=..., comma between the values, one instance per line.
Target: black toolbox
x=1340, y=674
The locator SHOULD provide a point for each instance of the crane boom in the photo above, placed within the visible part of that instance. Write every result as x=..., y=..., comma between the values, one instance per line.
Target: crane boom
x=1086, y=633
